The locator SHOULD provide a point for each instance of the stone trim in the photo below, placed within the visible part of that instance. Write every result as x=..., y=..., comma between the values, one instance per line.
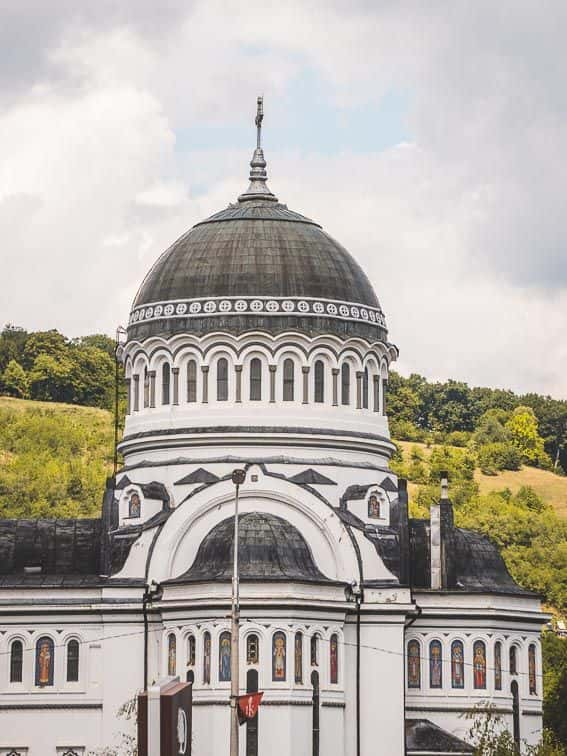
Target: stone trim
x=271, y=306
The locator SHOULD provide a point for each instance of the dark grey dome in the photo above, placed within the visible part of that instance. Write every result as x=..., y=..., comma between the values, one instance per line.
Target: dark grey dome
x=257, y=265
x=269, y=549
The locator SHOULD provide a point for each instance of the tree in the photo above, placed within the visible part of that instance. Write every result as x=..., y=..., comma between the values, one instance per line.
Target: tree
x=51, y=378
x=554, y=651
x=12, y=342
x=51, y=343
x=15, y=381
x=523, y=428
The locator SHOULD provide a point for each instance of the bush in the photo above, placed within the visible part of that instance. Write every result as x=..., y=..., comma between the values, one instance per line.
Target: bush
x=498, y=456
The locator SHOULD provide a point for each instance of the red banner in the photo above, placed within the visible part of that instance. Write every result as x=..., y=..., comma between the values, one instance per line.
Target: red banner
x=248, y=706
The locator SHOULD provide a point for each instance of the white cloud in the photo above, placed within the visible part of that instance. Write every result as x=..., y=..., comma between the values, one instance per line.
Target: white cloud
x=462, y=231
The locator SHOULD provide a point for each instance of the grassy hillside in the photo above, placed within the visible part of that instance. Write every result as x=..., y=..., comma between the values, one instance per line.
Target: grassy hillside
x=54, y=458
x=550, y=487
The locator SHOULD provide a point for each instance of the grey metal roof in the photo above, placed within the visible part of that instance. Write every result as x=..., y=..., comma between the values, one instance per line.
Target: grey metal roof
x=478, y=564
x=424, y=737
x=270, y=548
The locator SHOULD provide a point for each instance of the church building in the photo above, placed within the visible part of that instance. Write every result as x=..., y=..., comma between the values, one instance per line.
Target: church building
x=257, y=342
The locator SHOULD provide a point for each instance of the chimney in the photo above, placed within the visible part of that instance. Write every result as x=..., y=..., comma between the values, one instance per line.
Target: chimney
x=441, y=535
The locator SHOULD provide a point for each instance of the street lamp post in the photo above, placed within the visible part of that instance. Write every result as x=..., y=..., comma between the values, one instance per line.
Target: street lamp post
x=238, y=477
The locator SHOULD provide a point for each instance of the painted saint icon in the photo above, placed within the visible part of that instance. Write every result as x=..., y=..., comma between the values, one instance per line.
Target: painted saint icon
x=171, y=655
x=435, y=665
x=513, y=661
x=278, y=656
x=44, y=662
x=457, y=664
x=314, y=648
x=414, y=665
x=532, y=669
x=479, y=665
x=224, y=657
x=134, y=506
x=498, y=665
x=334, y=658
x=374, y=507
x=298, y=661
x=207, y=658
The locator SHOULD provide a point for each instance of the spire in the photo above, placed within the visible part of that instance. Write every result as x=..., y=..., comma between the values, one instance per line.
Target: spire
x=258, y=189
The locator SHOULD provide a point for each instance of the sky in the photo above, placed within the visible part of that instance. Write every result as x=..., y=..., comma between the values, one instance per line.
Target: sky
x=427, y=137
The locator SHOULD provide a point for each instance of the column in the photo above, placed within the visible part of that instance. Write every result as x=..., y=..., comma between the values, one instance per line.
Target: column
x=238, y=369
x=175, y=372
x=152, y=375
x=335, y=372
x=359, y=377
x=205, y=371
x=305, y=371
x=272, y=369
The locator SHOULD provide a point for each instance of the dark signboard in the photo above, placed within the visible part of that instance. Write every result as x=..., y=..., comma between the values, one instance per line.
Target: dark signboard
x=173, y=730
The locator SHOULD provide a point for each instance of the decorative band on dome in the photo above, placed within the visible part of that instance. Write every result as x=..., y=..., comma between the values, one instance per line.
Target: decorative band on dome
x=270, y=306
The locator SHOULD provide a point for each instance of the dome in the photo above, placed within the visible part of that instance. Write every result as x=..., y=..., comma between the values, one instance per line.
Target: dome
x=269, y=549
x=257, y=266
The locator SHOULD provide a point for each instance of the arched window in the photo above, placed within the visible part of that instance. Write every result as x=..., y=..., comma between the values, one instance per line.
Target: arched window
x=498, y=666
x=334, y=659
x=191, y=651
x=479, y=665
x=73, y=661
x=365, y=388
x=16, y=661
x=513, y=661
x=279, y=657
x=224, y=657
x=171, y=654
x=134, y=506
x=44, y=662
x=298, y=658
x=457, y=664
x=435, y=665
x=165, y=383
x=191, y=381
x=222, y=380
x=314, y=648
x=146, y=387
x=532, y=669
x=319, y=378
x=255, y=380
x=288, y=380
x=345, y=383
x=252, y=649
x=414, y=664
x=206, y=658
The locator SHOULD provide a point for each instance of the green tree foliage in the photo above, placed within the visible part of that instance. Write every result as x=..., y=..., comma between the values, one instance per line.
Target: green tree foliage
x=56, y=369
x=554, y=651
x=523, y=429
x=15, y=381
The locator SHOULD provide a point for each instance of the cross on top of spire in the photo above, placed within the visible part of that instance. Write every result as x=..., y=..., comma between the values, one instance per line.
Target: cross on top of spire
x=258, y=189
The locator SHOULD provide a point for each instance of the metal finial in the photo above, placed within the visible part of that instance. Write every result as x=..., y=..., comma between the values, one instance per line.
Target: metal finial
x=259, y=119
x=258, y=189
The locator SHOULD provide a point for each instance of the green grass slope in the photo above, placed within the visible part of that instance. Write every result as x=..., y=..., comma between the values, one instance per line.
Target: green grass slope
x=54, y=458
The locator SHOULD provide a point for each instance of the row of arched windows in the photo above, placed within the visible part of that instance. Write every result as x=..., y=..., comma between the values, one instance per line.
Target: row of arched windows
x=44, y=661
x=280, y=662
x=362, y=389
x=458, y=665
